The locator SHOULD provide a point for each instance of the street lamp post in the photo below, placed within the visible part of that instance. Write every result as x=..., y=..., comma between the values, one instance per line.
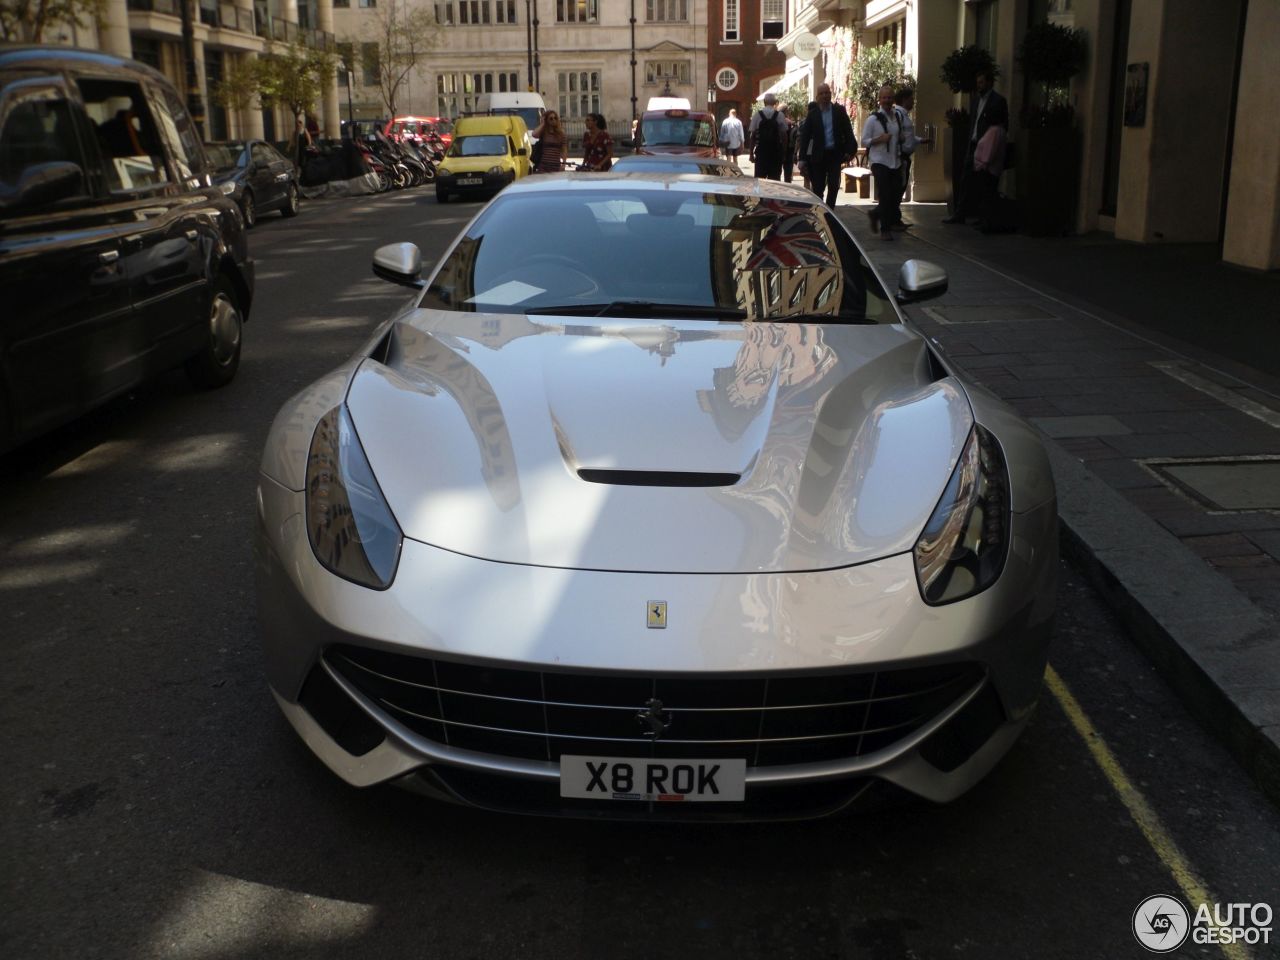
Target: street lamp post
x=528, y=37
x=351, y=117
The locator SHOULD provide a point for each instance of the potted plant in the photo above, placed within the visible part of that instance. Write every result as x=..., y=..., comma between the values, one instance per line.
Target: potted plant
x=1049, y=171
x=960, y=72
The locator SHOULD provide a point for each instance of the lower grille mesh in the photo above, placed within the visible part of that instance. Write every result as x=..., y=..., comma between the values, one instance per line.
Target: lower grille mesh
x=540, y=715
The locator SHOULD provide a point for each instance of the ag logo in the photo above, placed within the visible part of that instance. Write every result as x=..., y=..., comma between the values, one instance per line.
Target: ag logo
x=1161, y=923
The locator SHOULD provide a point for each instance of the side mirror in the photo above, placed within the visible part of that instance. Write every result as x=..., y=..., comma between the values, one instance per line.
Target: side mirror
x=920, y=280
x=400, y=263
x=44, y=183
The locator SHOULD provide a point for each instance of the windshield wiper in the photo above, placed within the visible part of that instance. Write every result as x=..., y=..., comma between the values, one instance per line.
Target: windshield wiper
x=640, y=309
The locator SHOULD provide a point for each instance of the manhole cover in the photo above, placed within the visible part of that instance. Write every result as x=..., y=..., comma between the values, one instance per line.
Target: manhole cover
x=1226, y=484
x=988, y=313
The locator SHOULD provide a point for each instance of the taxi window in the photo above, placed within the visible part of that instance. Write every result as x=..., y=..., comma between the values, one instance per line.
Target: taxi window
x=126, y=134
x=177, y=128
x=38, y=128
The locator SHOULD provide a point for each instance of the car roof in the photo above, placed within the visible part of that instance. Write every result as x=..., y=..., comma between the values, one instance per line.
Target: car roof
x=677, y=113
x=483, y=125
x=655, y=182
x=62, y=58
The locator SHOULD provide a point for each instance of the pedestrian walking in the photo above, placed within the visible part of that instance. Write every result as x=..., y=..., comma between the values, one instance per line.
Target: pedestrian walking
x=732, y=136
x=904, y=102
x=597, y=145
x=988, y=109
x=827, y=143
x=882, y=136
x=767, y=139
x=788, y=148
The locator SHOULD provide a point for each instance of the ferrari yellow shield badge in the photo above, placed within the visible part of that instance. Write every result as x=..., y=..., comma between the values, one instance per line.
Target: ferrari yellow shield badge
x=657, y=614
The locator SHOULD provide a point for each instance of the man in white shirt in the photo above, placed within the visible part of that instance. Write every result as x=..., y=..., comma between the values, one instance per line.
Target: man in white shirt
x=732, y=136
x=988, y=109
x=904, y=102
x=882, y=136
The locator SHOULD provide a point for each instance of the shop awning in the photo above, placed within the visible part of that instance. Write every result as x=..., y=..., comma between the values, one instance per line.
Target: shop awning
x=788, y=80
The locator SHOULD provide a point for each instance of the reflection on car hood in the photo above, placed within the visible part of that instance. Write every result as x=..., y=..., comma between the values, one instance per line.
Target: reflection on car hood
x=480, y=428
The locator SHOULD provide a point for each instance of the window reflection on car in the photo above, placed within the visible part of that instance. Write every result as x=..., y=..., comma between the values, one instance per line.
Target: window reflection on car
x=718, y=254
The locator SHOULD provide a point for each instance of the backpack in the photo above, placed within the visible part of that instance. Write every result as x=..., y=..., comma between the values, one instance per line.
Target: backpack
x=768, y=136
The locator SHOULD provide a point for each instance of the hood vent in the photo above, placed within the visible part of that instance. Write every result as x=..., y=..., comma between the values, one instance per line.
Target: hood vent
x=660, y=478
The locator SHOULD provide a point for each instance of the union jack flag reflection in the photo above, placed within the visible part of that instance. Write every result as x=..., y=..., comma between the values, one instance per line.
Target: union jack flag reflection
x=794, y=239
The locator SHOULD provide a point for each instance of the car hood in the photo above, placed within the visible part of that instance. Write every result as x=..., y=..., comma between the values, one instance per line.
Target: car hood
x=709, y=447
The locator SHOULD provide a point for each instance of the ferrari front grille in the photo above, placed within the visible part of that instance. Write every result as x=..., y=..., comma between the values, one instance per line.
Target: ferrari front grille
x=768, y=721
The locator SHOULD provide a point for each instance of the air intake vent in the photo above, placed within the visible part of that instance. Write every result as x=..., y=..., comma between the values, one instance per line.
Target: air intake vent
x=660, y=478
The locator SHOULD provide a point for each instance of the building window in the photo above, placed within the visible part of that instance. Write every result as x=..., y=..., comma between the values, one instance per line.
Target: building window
x=370, y=59
x=346, y=55
x=666, y=10
x=505, y=11
x=894, y=34
x=341, y=4
x=146, y=50
x=732, y=32
x=577, y=11
x=367, y=4
x=579, y=93
x=444, y=14
x=773, y=19
x=727, y=79
x=459, y=93
x=664, y=71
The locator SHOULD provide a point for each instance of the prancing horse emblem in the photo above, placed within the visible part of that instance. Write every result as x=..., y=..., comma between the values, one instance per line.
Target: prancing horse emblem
x=657, y=611
x=654, y=719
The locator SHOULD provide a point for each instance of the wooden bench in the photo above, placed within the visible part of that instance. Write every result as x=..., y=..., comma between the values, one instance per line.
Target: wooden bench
x=857, y=178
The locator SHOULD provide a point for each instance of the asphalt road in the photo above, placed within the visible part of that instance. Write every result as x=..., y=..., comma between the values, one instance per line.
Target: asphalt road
x=157, y=805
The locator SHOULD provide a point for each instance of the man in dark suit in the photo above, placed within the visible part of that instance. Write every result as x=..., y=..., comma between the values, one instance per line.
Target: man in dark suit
x=827, y=144
x=986, y=109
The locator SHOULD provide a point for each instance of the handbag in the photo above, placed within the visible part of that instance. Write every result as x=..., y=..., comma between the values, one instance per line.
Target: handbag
x=535, y=156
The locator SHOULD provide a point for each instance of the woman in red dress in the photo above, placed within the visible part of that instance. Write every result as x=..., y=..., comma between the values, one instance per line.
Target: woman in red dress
x=597, y=145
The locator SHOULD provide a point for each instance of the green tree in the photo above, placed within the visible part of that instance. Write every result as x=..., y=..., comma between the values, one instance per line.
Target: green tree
x=238, y=87
x=25, y=21
x=961, y=68
x=291, y=76
x=874, y=68
x=1050, y=56
x=403, y=35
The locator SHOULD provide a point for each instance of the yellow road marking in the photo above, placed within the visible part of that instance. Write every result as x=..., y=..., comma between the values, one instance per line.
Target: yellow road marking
x=1148, y=821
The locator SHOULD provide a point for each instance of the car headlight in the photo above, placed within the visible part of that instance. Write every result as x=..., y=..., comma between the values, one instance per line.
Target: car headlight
x=444, y=172
x=349, y=524
x=495, y=171
x=229, y=187
x=961, y=551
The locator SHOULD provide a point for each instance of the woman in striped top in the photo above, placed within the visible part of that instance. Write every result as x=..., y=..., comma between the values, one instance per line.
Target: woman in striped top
x=551, y=136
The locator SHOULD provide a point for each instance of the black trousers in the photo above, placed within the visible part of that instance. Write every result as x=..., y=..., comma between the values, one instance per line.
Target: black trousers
x=888, y=192
x=904, y=178
x=768, y=166
x=824, y=175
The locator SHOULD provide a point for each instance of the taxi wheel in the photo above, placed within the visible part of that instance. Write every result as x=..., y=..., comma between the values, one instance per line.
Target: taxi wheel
x=290, y=208
x=216, y=363
x=442, y=196
x=249, y=209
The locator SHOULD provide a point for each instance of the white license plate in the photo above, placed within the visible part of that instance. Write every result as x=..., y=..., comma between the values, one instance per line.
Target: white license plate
x=470, y=181
x=662, y=781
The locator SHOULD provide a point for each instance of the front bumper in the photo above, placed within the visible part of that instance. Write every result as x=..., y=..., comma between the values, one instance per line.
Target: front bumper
x=556, y=623
x=489, y=182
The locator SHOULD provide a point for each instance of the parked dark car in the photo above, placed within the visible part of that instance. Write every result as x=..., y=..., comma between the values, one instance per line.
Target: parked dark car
x=255, y=175
x=119, y=258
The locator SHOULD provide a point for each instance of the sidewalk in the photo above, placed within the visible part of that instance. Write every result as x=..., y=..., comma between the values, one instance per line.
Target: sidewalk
x=1167, y=457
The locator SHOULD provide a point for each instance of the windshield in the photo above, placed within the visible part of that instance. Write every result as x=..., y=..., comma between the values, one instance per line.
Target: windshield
x=227, y=156
x=489, y=145
x=532, y=116
x=679, y=131
x=642, y=252
x=643, y=164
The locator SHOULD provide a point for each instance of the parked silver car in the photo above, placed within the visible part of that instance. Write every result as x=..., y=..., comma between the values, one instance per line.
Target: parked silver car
x=667, y=514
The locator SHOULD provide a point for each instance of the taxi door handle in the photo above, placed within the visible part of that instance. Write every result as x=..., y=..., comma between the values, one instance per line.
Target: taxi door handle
x=109, y=256
x=192, y=235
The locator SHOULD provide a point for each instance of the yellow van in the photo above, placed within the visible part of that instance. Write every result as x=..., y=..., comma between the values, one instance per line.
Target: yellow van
x=487, y=153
